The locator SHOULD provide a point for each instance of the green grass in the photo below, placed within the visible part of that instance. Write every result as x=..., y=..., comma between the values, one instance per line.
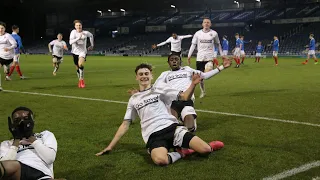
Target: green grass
x=254, y=148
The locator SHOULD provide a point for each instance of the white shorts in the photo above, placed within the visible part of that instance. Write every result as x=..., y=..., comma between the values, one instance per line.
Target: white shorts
x=225, y=53
x=312, y=52
x=83, y=55
x=16, y=57
x=242, y=52
x=178, y=135
x=237, y=52
x=188, y=110
x=258, y=54
x=275, y=53
x=209, y=65
x=215, y=54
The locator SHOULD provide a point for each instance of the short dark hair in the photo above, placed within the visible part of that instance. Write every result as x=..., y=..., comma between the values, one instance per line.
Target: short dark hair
x=206, y=18
x=21, y=108
x=173, y=55
x=143, y=65
x=77, y=21
x=225, y=36
x=14, y=27
x=3, y=24
x=311, y=34
x=60, y=34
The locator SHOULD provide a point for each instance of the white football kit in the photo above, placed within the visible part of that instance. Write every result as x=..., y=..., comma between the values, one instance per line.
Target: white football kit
x=205, y=43
x=175, y=43
x=7, y=41
x=79, y=42
x=28, y=155
x=58, y=47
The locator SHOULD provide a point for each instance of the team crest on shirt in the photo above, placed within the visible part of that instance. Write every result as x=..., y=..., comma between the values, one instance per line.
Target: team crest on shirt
x=147, y=102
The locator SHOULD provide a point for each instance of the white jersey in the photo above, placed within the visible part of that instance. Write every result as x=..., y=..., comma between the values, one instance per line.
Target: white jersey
x=58, y=47
x=79, y=42
x=28, y=155
x=205, y=43
x=175, y=43
x=180, y=79
x=7, y=41
x=152, y=106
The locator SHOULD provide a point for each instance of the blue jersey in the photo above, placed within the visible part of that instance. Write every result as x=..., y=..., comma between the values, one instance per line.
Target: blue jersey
x=312, y=45
x=19, y=43
x=259, y=49
x=225, y=45
x=238, y=42
x=216, y=49
x=242, y=44
x=276, y=45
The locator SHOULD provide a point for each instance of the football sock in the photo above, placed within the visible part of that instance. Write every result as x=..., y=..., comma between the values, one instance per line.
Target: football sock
x=215, y=61
x=18, y=70
x=11, y=70
x=78, y=73
x=202, y=87
x=316, y=60
x=242, y=59
x=173, y=157
x=81, y=72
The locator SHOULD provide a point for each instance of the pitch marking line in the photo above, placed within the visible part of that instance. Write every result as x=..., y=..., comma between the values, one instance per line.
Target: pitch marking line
x=199, y=110
x=294, y=171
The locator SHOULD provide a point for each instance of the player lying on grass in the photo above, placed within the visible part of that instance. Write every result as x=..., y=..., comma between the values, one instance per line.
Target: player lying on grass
x=28, y=155
x=180, y=78
x=160, y=129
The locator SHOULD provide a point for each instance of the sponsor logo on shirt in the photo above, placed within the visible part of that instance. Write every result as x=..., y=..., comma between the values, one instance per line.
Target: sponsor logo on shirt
x=147, y=102
x=177, y=76
x=205, y=41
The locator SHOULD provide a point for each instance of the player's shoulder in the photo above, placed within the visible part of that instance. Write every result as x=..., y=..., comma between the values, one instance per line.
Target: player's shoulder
x=187, y=68
x=44, y=133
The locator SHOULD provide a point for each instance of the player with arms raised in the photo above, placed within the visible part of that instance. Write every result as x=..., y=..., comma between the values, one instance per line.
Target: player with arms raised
x=78, y=41
x=160, y=130
x=175, y=42
x=312, y=50
x=205, y=40
x=57, y=53
x=16, y=58
x=180, y=78
x=7, y=46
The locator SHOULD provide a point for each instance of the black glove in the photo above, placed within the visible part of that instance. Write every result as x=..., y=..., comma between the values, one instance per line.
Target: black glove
x=15, y=130
x=27, y=128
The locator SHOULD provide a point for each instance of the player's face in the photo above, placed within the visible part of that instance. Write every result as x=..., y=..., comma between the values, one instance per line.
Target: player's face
x=310, y=37
x=174, y=62
x=78, y=27
x=259, y=43
x=59, y=37
x=144, y=76
x=174, y=36
x=2, y=30
x=274, y=37
x=206, y=24
x=236, y=36
x=20, y=116
x=241, y=38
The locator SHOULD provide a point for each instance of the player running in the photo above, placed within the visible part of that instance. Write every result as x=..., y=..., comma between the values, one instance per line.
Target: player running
x=7, y=46
x=205, y=39
x=237, y=50
x=29, y=155
x=242, y=52
x=275, y=48
x=16, y=58
x=57, y=53
x=312, y=50
x=78, y=41
x=160, y=129
x=175, y=41
x=179, y=78
x=259, y=50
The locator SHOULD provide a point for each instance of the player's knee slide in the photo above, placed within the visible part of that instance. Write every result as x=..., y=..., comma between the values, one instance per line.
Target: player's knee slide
x=161, y=161
x=2, y=171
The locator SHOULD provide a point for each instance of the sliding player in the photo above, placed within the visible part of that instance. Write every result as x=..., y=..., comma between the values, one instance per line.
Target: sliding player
x=312, y=50
x=78, y=41
x=160, y=129
x=57, y=53
x=175, y=42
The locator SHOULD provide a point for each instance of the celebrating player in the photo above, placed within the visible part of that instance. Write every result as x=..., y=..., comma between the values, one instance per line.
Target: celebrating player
x=259, y=50
x=180, y=79
x=275, y=45
x=237, y=50
x=160, y=130
x=312, y=50
x=57, y=54
x=7, y=45
x=16, y=58
x=78, y=40
x=29, y=155
x=175, y=41
x=205, y=39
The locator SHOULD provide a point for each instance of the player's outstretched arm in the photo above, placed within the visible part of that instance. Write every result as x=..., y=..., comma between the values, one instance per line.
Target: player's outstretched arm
x=124, y=127
x=186, y=95
x=186, y=36
x=209, y=74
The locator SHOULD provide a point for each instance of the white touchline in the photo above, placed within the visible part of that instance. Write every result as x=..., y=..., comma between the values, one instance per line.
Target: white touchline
x=198, y=110
x=294, y=171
